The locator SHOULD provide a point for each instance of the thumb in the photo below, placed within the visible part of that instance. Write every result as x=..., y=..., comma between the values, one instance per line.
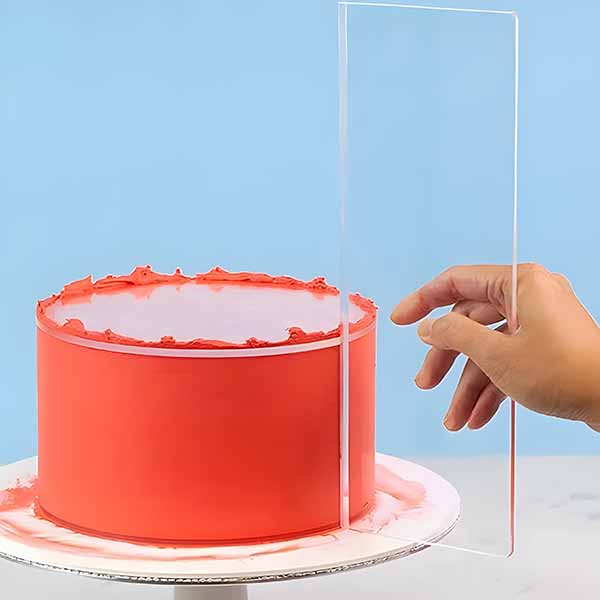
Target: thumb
x=484, y=346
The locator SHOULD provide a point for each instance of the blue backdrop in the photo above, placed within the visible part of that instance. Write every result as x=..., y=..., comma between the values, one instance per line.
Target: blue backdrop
x=193, y=134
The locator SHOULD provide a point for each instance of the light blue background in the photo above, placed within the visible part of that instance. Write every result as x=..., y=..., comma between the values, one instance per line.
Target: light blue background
x=192, y=134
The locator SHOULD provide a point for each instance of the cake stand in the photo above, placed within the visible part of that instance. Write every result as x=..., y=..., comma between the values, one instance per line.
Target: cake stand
x=392, y=529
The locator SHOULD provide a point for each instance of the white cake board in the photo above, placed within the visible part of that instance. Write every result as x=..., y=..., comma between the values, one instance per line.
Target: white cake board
x=391, y=530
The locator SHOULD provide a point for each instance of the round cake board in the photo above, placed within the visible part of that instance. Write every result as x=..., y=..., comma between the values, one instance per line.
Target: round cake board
x=394, y=528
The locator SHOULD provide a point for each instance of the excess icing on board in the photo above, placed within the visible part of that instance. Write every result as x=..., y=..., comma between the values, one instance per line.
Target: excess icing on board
x=396, y=497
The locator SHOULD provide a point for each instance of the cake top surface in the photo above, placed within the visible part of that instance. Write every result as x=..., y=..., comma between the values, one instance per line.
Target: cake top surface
x=213, y=310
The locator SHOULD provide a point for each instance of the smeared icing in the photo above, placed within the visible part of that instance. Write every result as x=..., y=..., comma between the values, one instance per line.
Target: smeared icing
x=396, y=498
x=143, y=282
x=410, y=493
x=19, y=496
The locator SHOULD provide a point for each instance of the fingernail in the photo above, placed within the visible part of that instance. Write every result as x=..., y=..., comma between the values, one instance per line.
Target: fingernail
x=399, y=312
x=473, y=425
x=425, y=327
x=395, y=314
x=418, y=377
x=449, y=423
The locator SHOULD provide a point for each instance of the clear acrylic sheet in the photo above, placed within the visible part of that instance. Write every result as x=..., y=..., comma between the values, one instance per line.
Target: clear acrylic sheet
x=127, y=143
x=428, y=138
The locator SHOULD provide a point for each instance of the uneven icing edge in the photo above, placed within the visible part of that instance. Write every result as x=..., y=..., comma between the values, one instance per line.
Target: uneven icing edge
x=145, y=276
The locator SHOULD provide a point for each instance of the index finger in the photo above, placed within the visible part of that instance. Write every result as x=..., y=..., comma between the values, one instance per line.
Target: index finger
x=484, y=283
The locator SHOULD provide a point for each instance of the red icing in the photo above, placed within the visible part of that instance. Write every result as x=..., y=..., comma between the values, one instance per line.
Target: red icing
x=142, y=280
x=411, y=493
x=19, y=496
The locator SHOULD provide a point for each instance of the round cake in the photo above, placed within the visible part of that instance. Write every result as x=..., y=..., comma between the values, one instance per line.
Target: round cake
x=201, y=409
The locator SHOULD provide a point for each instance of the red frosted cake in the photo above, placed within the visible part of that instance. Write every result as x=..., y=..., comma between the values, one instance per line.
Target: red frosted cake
x=201, y=410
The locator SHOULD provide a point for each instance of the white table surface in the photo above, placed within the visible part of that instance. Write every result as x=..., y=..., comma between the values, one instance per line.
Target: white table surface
x=558, y=556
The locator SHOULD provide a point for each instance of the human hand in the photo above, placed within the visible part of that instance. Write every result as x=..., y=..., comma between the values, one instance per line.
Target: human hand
x=550, y=364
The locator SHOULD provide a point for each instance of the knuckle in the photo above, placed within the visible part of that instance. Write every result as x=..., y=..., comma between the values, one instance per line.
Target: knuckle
x=562, y=279
x=533, y=274
x=451, y=271
x=532, y=268
x=464, y=307
x=444, y=325
x=472, y=386
x=447, y=273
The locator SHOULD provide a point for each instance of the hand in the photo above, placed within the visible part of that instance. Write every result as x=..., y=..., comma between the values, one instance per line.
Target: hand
x=550, y=364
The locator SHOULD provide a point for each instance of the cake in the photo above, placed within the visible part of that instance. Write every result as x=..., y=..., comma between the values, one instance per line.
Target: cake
x=201, y=409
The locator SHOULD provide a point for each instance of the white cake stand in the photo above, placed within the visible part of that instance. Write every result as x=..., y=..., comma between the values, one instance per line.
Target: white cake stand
x=393, y=529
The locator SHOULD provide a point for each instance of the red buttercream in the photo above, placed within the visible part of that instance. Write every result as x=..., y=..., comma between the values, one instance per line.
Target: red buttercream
x=142, y=280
